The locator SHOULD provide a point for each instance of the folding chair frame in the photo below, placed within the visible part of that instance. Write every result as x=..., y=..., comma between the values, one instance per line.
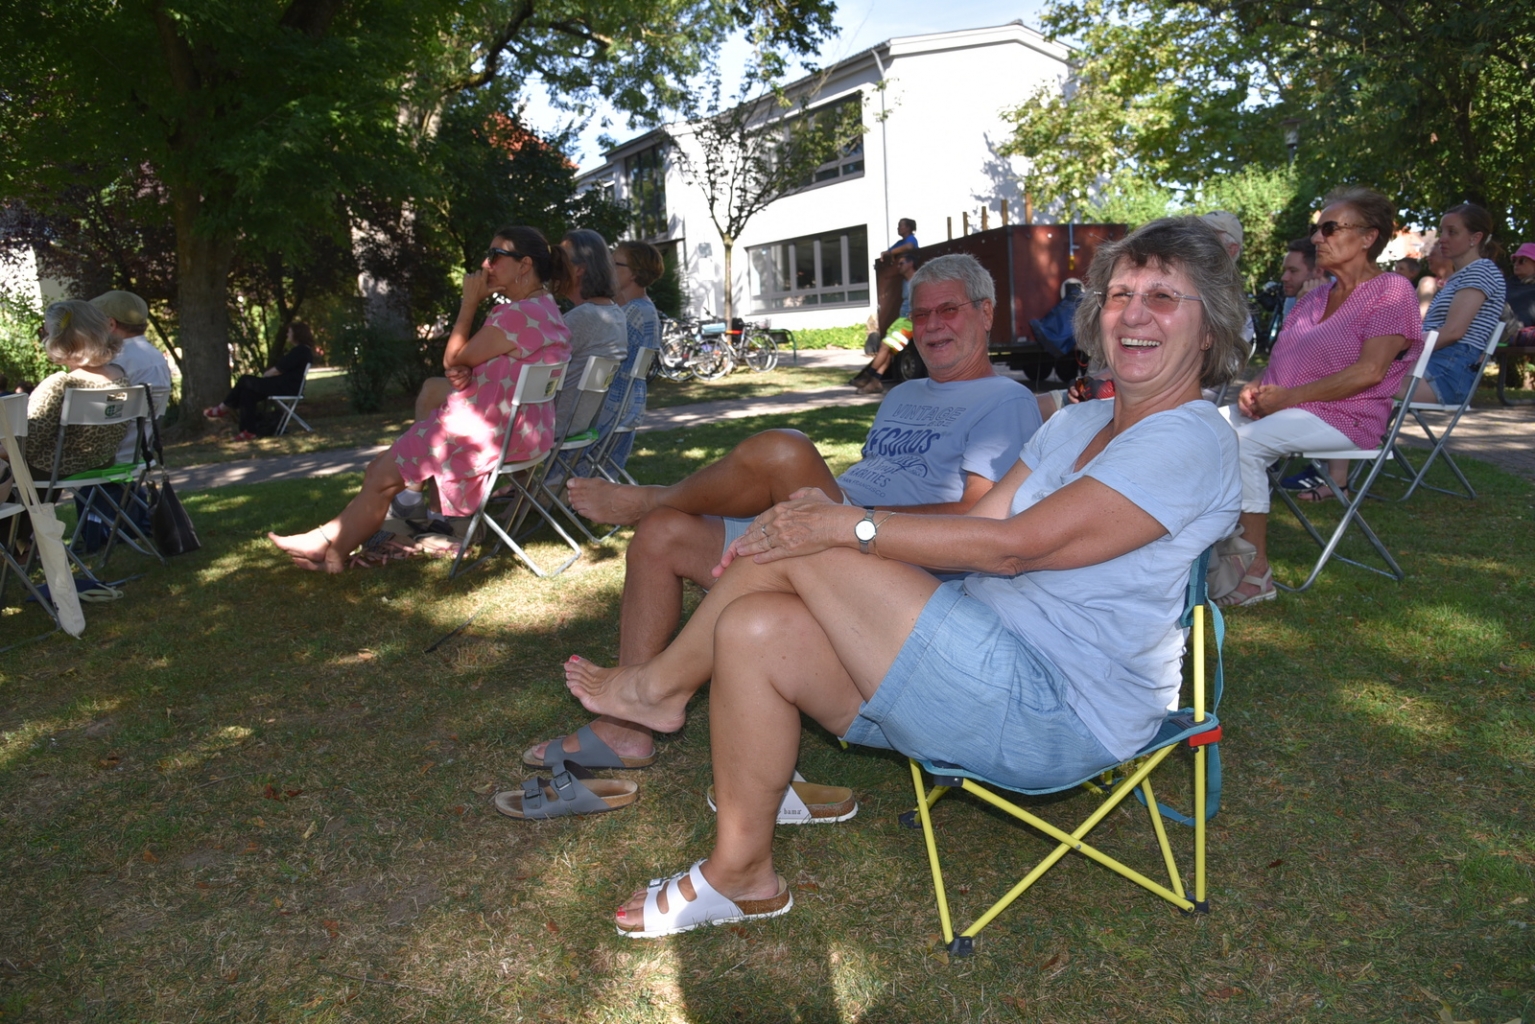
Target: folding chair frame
x=1376, y=459
x=1440, y=441
x=13, y=410
x=602, y=460
x=1194, y=726
x=536, y=385
x=289, y=406
x=580, y=437
x=80, y=403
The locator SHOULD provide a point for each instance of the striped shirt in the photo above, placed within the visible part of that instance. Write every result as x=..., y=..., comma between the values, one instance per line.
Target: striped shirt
x=1485, y=277
x=1309, y=348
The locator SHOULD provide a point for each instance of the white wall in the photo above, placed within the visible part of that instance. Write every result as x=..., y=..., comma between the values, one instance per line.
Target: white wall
x=941, y=129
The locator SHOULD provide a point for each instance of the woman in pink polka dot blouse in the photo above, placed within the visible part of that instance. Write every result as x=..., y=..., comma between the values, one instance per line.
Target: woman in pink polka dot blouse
x=1335, y=368
x=458, y=442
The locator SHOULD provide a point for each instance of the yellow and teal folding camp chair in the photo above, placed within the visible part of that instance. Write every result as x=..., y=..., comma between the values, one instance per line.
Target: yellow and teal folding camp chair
x=1194, y=726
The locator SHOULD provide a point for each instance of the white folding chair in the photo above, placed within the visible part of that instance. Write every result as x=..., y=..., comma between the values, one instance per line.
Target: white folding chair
x=1375, y=459
x=1438, y=443
x=601, y=459
x=536, y=385
x=580, y=435
x=13, y=427
x=94, y=407
x=289, y=406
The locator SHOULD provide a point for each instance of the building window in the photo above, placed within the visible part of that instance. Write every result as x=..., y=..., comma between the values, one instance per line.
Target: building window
x=848, y=163
x=830, y=269
x=646, y=175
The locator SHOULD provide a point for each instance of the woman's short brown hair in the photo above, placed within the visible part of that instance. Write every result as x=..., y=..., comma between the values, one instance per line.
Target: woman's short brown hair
x=646, y=264
x=78, y=329
x=1190, y=246
x=1373, y=208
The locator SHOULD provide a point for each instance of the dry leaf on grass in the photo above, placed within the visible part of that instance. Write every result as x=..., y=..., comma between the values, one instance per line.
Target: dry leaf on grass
x=1052, y=967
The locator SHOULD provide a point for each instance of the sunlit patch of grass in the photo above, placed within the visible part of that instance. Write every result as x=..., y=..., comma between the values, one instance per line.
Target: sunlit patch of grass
x=250, y=793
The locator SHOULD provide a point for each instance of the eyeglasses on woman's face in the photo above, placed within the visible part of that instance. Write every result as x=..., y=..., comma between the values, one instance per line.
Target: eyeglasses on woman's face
x=1163, y=301
x=493, y=253
x=1328, y=228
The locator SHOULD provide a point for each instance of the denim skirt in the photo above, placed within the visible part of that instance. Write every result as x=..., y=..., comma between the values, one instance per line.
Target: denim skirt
x=1452, y=371
x=968, y=691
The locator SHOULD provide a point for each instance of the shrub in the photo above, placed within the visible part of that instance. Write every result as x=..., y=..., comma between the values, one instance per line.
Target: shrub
x=373, y=359
x=832, y=337
x=21, y=357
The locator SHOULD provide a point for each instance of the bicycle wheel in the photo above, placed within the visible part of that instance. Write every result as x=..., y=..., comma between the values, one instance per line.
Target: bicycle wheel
x=761, y=351
x=711, y=360
x=671, y=360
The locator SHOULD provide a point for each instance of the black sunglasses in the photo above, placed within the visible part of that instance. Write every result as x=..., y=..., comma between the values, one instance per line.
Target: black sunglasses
x=1328, y=228
x=493, y=252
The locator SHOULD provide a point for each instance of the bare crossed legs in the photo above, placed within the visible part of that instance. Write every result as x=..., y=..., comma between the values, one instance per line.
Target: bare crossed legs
x=797, y=635
x=679, y=538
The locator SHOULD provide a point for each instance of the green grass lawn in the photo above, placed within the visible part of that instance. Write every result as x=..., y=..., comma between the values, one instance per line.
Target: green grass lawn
x=326, y=408
x=250, y=794
x=743, y=384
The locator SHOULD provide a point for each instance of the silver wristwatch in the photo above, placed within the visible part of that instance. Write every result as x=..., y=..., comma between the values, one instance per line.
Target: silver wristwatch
x=865, y=529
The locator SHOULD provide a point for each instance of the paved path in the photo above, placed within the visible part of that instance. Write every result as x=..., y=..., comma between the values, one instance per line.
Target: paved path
x=1503, y=437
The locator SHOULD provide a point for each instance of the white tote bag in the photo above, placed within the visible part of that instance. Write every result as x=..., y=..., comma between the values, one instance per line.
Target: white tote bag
x=47, y=534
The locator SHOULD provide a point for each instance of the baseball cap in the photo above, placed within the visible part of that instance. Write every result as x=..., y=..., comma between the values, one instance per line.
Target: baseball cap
x=1225, y=223
x=1527, y=250
x=125, y=307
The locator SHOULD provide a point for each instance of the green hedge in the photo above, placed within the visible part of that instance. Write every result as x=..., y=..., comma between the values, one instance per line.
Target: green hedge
x=832, y=337
x=21, y=357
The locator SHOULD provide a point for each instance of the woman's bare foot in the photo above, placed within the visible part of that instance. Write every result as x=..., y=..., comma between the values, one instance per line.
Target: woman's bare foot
x=626, y=693
x=615, y=504
x=313, y=546
x=332, y=563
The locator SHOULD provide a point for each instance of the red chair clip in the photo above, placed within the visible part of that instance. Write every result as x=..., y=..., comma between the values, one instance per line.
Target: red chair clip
x=1203, y=738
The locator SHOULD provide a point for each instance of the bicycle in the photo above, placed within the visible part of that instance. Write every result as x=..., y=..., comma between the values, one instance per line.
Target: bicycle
x=671, y=360
x=718, y=350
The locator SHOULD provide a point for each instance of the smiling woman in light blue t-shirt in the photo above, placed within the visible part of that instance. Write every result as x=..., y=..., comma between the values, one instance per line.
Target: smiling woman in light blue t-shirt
x=1058, y=655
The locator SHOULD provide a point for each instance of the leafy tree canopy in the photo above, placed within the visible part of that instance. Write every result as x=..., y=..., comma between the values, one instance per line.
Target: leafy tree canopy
x=1430, y=103
x=274, y=128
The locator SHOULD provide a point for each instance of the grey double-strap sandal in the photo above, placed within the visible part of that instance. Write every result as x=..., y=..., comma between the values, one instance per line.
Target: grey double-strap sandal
x=572, y=790
x=591, y=752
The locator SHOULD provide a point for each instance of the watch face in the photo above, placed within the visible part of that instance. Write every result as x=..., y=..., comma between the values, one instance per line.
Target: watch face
x=864, y=531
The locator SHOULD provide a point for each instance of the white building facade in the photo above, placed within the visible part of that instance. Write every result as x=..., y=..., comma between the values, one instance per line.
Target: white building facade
x=933, y=127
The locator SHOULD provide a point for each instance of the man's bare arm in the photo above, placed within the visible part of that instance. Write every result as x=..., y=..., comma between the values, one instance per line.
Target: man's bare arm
x=976, y=487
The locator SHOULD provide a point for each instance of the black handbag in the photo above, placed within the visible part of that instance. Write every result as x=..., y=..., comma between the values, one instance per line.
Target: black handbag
x=171, y=526
x=173, y=530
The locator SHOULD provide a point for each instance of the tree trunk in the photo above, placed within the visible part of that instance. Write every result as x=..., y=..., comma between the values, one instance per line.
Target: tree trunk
x=729, y=245
x=203, y=262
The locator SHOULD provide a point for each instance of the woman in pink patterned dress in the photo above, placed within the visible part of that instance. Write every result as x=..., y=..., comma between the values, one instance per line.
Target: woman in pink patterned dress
x=1335, y=369
x=459, y=441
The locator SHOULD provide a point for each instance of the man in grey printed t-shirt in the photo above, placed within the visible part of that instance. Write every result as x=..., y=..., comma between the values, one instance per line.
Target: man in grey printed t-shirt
x=937, y=445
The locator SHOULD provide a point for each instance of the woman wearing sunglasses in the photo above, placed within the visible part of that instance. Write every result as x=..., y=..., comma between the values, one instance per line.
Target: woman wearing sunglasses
x=1055, y=656
x=459, y=441
x=1335, y=368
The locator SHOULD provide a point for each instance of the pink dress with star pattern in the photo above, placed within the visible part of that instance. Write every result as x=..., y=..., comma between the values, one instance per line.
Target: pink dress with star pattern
x=459, y=442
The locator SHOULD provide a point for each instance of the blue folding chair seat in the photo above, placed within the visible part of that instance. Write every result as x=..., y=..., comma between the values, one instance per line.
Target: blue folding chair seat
x=1195, y=726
